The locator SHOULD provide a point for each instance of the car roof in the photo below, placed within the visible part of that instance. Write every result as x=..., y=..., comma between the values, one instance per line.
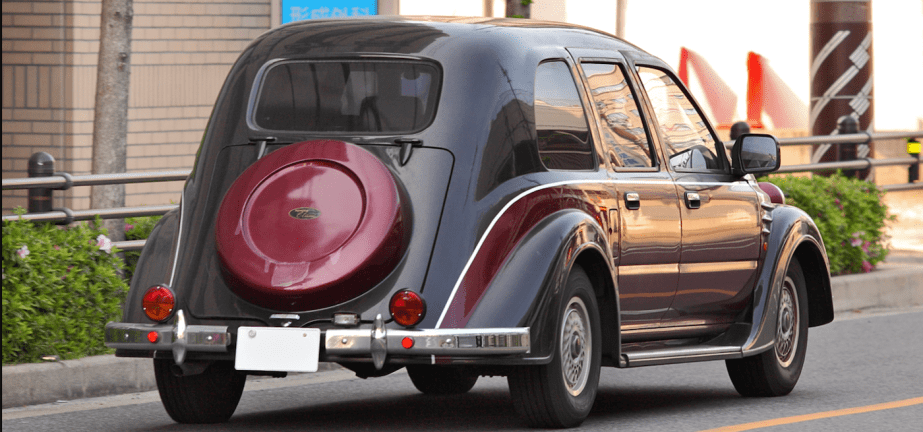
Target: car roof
x=415, y=35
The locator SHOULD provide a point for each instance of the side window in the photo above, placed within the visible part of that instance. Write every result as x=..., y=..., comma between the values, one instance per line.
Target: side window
x=563, y=136
x=623, y=131
x=689, y=144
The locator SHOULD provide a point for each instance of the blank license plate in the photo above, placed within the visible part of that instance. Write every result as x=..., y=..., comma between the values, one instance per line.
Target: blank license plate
x=277, y=349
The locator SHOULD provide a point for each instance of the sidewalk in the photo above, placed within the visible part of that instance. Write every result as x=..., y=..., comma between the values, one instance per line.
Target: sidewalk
x=896, y=283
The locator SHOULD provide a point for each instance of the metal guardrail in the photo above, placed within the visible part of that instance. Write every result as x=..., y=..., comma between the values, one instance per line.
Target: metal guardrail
x=50, y=180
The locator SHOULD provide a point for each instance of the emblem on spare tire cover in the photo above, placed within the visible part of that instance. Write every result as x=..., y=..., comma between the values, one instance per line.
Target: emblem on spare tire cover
x=304, y=213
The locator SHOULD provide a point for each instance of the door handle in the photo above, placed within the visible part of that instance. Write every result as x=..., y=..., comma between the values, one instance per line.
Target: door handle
x=693, y=201
x=632, y=201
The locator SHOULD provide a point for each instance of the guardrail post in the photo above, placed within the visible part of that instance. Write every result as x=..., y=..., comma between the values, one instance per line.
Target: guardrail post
x=913, y=149
x=41, y=164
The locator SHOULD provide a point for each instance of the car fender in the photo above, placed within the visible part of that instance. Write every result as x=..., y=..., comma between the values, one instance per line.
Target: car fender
x=793, y=234
x=154, y=267
x=526, y=292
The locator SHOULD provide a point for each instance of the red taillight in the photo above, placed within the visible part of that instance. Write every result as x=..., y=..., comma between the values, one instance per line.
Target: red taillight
x=158, y=303
x=152, y=337
x=407, y=308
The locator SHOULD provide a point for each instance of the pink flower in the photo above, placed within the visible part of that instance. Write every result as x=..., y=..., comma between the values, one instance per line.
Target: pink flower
x=104, y=244
x=23, y=251
x=866, y=266
x=128, y=227
x=865, y=247
x=56, y=247
x=856, y=242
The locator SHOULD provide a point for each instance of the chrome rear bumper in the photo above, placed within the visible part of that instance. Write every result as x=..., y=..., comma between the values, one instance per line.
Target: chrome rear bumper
x=378, y=342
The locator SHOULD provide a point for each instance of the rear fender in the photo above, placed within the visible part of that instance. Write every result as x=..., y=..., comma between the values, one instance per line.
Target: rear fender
x=793, y=234
x=526, y=292
x=155, y=266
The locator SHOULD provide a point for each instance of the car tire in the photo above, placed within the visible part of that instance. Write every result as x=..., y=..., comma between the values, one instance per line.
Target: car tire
x=561, y=393
x=776, y=371
x=442, y=380
x=208, y=397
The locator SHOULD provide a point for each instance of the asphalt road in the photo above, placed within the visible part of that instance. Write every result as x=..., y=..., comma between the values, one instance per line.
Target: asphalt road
x=863, y=373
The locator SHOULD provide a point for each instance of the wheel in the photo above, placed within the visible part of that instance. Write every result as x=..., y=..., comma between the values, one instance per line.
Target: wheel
x=209, y=397
x=561, y=393
x=441, y=380
x=776, y=371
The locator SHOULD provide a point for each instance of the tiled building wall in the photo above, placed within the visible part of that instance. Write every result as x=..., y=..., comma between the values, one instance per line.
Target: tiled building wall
x=181, y=52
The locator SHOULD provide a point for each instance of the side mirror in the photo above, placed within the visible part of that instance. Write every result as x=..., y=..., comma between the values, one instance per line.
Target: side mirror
x=755, y=154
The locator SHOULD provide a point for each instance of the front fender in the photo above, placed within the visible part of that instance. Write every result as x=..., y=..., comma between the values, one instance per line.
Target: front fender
x=154, y=267
x=526, y=292
x=793, y=234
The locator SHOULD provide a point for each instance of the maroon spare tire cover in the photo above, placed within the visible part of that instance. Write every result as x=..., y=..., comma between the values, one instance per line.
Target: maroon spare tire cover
x=309, y=226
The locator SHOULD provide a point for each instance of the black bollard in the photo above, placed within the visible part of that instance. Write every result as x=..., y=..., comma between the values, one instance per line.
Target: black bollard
x=738, y=129
x=41, y=164
x=847, y=152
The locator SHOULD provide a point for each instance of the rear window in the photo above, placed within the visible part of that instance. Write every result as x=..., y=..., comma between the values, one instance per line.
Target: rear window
x=348, y=96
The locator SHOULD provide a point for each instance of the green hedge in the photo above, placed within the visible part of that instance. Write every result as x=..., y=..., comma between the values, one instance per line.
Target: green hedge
x=849, y=213
x=60, y=287
x=137, y=228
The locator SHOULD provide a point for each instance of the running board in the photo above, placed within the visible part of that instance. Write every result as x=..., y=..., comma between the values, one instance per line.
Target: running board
x=662, y=356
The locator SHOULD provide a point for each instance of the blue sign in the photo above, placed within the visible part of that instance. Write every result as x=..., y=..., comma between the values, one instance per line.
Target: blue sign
x=297, y=10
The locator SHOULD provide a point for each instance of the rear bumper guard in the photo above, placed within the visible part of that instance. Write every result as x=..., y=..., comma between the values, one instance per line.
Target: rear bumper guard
x=377, y=342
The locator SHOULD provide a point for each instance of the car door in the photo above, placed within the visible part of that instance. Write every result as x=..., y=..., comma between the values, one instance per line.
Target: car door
x=720, y=226
x=648, y=214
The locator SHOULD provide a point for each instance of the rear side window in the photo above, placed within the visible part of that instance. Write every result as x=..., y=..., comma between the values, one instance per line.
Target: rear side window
x=348, y=96
x=623, y=131
x=689, y=144
x=563, y=136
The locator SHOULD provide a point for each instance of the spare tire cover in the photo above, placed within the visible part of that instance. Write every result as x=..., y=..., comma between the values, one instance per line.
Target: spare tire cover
x=309, y=226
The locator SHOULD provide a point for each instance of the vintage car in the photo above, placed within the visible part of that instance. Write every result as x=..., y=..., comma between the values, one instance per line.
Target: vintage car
x=468, y=197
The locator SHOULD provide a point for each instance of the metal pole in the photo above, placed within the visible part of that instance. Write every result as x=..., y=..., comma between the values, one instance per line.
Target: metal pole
x=41, y=164
x=841, y=72
x=621, y=6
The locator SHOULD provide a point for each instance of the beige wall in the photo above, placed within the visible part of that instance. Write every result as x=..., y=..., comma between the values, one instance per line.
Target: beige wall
x=181, y=52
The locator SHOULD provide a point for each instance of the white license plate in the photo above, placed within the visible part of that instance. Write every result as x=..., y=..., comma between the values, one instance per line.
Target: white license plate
x=277, y=349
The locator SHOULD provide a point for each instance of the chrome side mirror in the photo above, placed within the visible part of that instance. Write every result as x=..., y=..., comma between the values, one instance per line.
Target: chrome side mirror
x=755, y=154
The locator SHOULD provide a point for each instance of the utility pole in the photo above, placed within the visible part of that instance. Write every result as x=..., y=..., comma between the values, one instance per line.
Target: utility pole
x=841, y=76
x=110, y=122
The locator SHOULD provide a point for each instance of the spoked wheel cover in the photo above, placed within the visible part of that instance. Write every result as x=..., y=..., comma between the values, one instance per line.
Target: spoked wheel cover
x=310, y=225
x=576, y=346
x=788, y=323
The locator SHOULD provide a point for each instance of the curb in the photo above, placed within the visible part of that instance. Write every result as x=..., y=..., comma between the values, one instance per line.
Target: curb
x=37, y=383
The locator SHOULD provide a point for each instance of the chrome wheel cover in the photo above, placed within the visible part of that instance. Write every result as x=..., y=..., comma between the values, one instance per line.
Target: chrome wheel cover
x=576, y=346
x=788, y=323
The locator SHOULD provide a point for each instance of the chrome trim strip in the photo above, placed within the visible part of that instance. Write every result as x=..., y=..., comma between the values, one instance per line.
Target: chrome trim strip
x=633, y=270
x=179, y=236
x=498, y=341
x=506, y=207
x=712, y=267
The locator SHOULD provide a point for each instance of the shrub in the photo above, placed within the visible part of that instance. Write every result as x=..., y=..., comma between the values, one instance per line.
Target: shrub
x=137, y=228
x=60, y=287
x=849, y=213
